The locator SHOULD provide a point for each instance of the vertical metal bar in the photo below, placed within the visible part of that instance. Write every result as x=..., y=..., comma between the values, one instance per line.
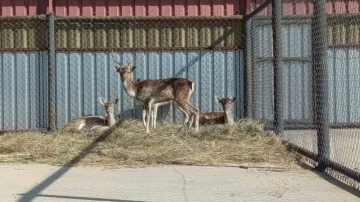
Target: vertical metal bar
x=248, y=80
x=278, y=78
x=51, y=72
x=321, y=82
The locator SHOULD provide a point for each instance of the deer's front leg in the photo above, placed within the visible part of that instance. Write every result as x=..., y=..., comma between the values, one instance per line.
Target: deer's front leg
x=143, y=116
x=154, y=115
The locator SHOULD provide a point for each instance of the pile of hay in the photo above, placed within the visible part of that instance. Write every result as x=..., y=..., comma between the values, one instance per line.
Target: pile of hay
x=128, y=145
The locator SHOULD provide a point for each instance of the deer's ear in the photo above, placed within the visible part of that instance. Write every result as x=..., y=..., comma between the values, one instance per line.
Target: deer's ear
x=102, y=101
x=116, y=68
x=116, y=101
x=218, y=99
x=233, y=100
x=133, y=68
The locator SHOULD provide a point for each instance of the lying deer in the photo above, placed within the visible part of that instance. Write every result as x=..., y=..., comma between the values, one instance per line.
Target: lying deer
x=225, y=117
x=95, y=122
x=150, y=92
x=157, y=105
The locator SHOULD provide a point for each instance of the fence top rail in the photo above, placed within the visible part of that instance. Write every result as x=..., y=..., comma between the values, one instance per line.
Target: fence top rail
x=29, y=17
x=285, y=17
x=233, y=17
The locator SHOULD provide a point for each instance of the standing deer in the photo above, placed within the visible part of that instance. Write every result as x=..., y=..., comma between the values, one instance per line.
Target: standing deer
x=225, y=117
x=150, y=92
x=95, y=122
x=157, y=105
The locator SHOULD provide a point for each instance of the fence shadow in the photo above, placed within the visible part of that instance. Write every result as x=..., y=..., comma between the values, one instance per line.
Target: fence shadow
x=332, y=180
x=34, y=192
x=83, y=198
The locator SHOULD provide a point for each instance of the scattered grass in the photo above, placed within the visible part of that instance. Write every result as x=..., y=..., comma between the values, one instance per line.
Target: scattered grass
x=244, y=142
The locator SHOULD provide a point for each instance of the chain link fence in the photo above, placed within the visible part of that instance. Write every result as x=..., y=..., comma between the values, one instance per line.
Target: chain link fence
x=303, y=79
x=23, y=72
x=56, y=67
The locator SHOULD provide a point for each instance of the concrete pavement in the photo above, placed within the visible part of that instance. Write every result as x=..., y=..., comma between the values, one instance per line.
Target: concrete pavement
x=20, y=182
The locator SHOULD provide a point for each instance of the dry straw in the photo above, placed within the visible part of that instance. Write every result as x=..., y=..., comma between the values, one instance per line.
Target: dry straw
x=244, y=142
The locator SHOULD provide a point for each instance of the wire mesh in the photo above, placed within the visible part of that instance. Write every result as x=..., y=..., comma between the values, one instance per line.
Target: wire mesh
x=55, y=69
x=22, y=73
x=320, y=77
x=203, y=49
x=74, y=65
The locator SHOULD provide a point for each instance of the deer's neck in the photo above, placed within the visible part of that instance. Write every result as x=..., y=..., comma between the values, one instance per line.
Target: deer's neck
x=229, y=118
x=130, y=87
x=111, y=119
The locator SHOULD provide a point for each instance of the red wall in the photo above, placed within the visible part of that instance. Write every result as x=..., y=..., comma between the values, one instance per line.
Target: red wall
x=163, y=7
x=302, y=7
x=123, y=7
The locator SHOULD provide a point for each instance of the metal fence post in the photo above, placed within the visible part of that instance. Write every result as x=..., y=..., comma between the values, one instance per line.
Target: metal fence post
x=278, y=78
x=321, y=83
x=51, y=72
x=248, y=58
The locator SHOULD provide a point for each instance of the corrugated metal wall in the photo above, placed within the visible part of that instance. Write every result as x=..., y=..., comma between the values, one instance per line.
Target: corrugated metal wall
x=297, y=73
x=344, y=85
x=83, y=77
x=343, y=74
x=23, y=92
x=88, y=33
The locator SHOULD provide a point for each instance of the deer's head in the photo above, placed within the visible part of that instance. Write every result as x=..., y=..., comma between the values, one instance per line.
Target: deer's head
x=226, y=102
x=109, y=105
x=124, y=70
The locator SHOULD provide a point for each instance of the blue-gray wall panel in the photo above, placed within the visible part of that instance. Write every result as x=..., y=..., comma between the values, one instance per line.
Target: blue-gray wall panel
x=295, y=90
x=22, y=91
x=2, y=104
x=9, y=89
x=354, y=82
x=75, y=92
x=102, y=71
x=218, y=86
x=344, y=85
x=83, y=77
x=62, y=86
x=296, y=40
x=297, y=74
x=205, y=82
x=88, y=82
x=21, y=85
x=297, y=94
x=343, y=76
x=340, y=84
x=180, y=70
x=193, y=65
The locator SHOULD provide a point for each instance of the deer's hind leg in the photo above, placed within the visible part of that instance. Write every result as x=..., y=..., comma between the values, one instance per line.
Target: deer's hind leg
x=186, y=115
x=194, y=112
x=148, y=110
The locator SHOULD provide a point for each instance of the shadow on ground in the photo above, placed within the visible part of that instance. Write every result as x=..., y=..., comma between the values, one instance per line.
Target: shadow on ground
x=34, y=192
x=332, y=180
x=83, y=198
